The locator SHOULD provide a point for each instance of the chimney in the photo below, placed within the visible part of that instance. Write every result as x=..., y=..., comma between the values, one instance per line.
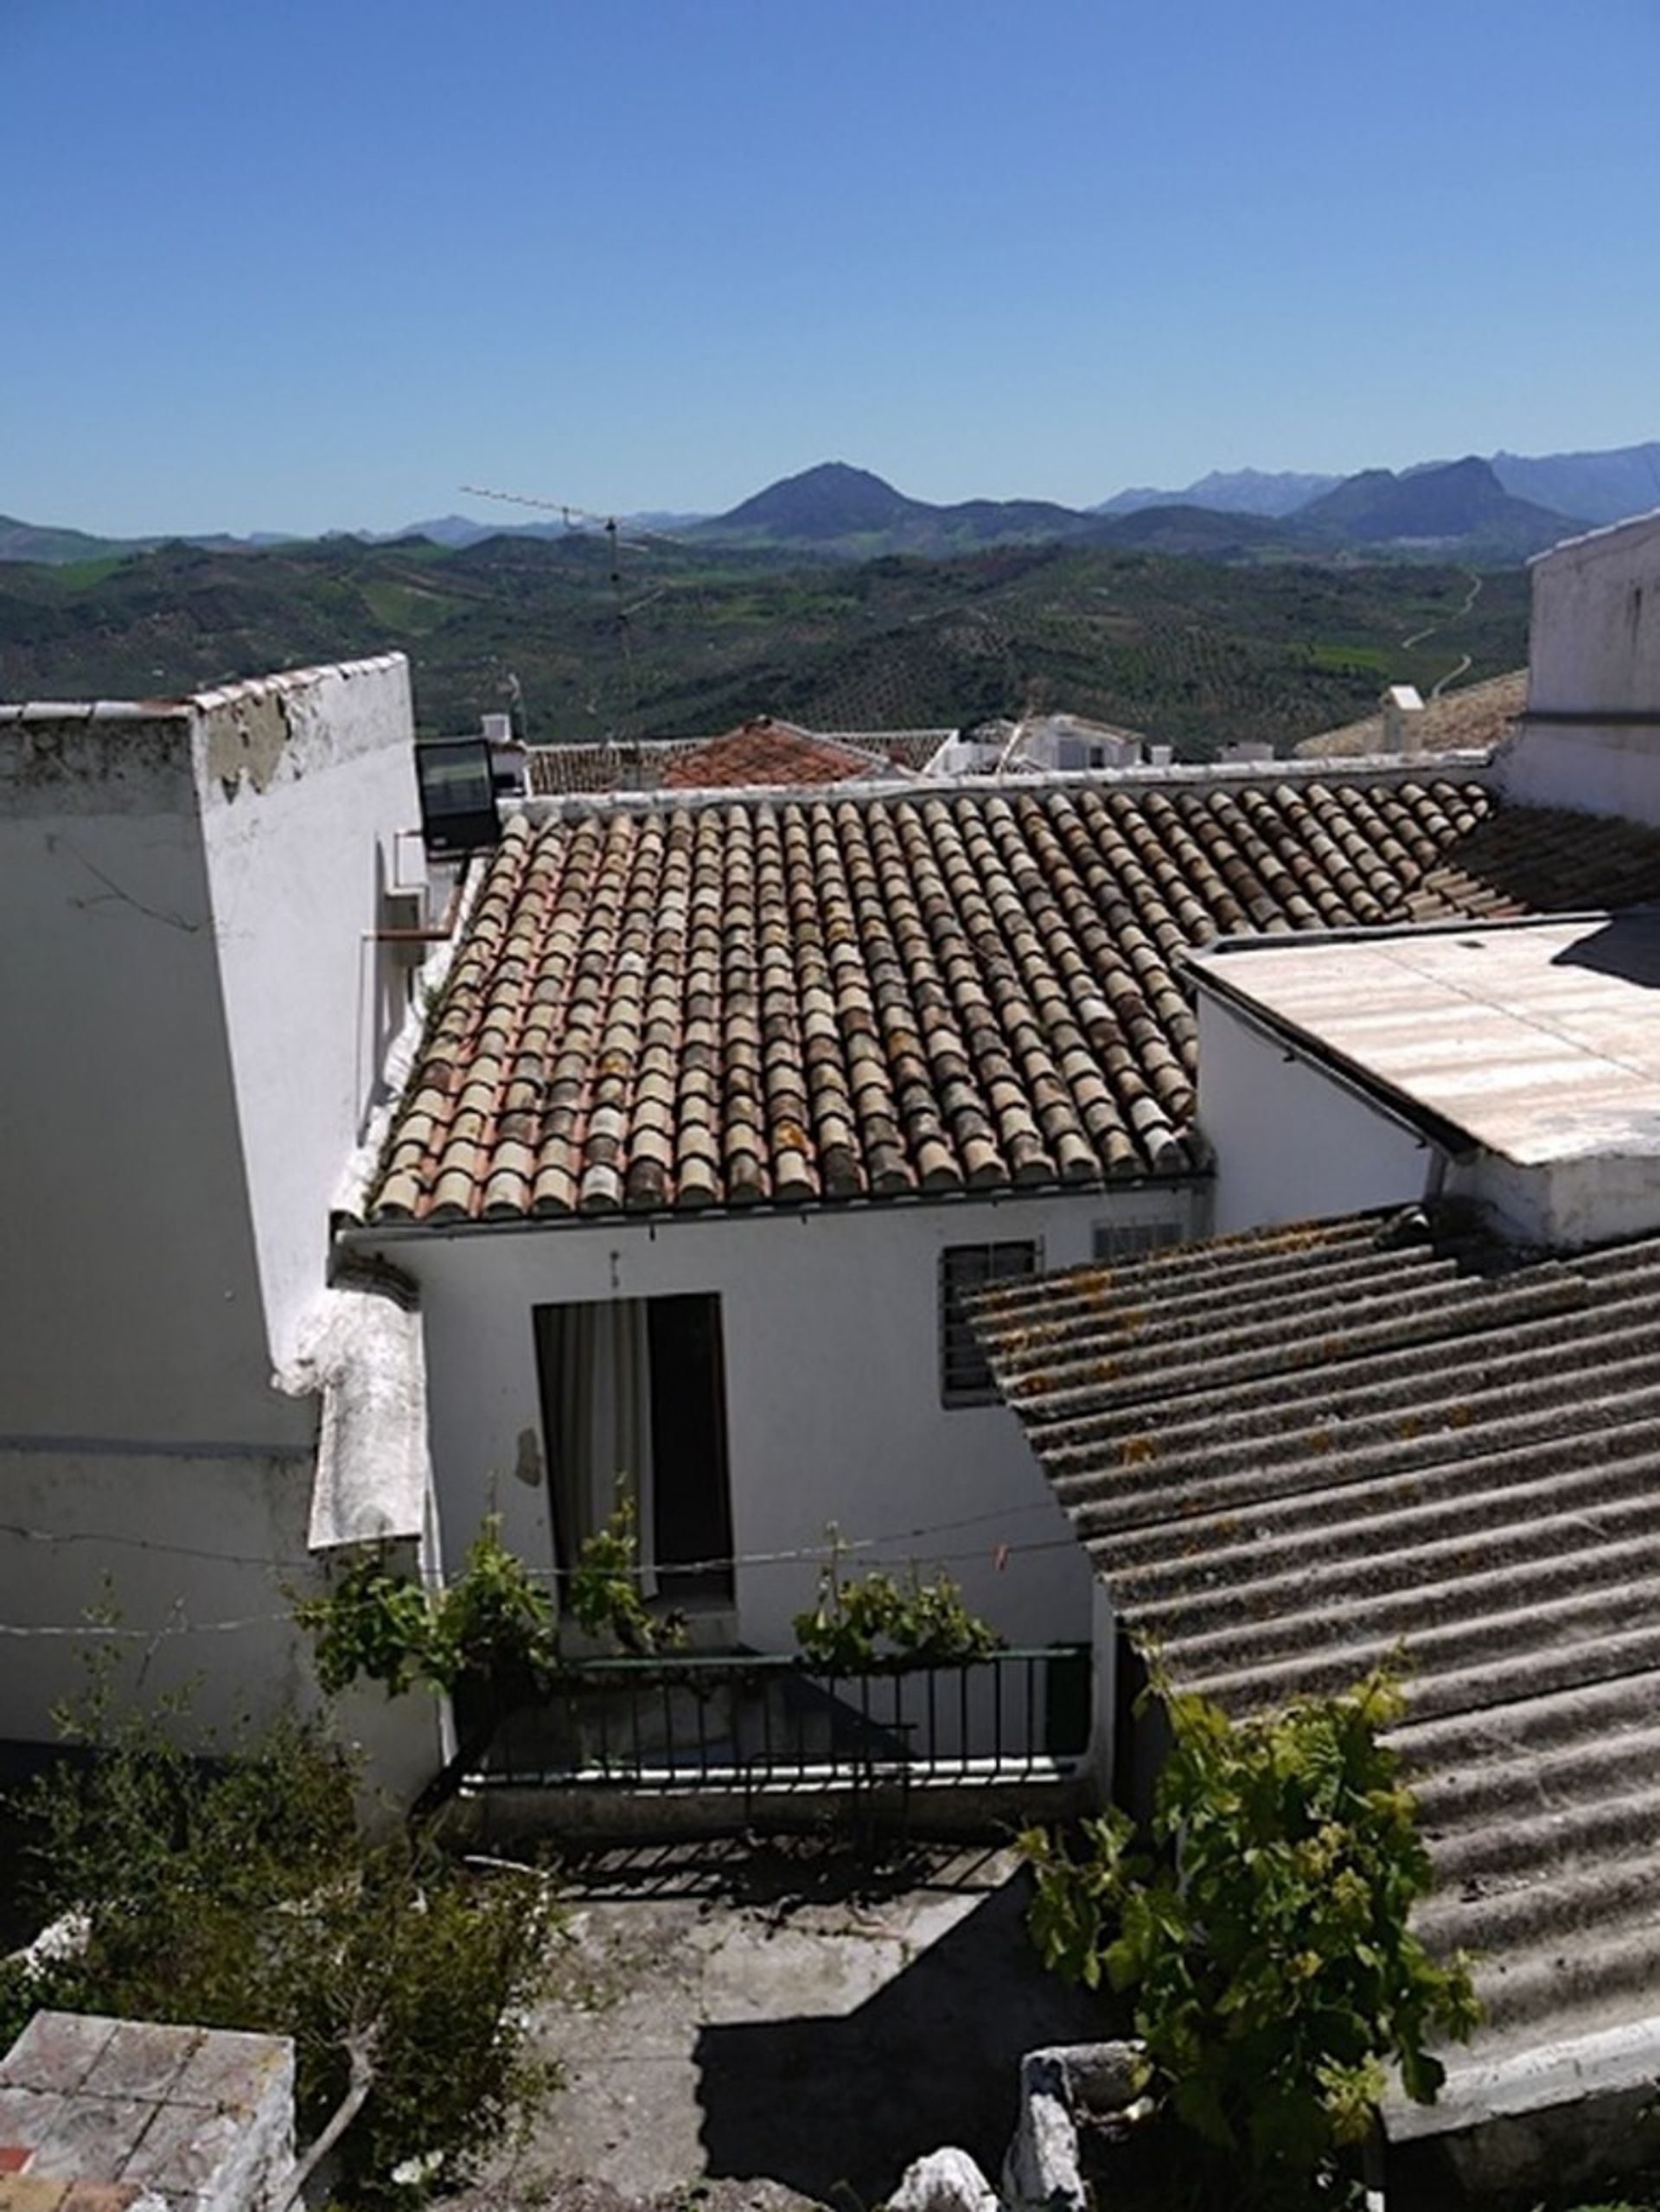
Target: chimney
x=1403, y=730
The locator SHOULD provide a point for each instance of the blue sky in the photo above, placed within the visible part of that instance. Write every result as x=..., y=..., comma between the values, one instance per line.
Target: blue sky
x=304, y=265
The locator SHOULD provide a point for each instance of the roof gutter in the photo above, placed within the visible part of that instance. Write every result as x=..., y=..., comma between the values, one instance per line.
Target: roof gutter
x=359, y=1236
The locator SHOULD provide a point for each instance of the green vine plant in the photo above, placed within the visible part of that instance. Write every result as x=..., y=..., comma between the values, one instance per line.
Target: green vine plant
x=876, y=1618
x=494, y=1627
x=490, y=1639
x=1263, y=1940
x=604, y=1596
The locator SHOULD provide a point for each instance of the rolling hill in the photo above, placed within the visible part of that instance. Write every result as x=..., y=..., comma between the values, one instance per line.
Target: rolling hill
x=1200, y=652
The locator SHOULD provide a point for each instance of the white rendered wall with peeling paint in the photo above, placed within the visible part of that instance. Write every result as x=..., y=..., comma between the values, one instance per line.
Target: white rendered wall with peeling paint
x=304, y=783
x=831, y=1335
x=1594, y=653
x=191, y=1017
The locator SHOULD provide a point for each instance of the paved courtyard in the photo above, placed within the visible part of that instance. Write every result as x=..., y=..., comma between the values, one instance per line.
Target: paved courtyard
x=743, y=2024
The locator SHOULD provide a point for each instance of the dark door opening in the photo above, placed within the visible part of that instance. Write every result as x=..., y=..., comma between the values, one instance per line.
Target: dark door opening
x=633, y=1406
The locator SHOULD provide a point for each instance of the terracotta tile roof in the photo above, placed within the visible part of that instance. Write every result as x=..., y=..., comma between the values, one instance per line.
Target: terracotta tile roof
x=911, y=749
x=802, y=999
x=559, y=771
x=1295, y=1452
x=766, y=752
x=762, y=752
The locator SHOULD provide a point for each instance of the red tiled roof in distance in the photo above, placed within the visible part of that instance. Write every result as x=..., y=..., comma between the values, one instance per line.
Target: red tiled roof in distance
x=764, y=752
x=811, y=997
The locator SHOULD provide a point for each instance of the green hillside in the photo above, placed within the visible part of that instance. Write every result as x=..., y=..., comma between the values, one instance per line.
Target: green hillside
x=1196, y=651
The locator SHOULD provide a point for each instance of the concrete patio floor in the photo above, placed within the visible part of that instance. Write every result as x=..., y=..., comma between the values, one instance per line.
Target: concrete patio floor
x=747, y=2023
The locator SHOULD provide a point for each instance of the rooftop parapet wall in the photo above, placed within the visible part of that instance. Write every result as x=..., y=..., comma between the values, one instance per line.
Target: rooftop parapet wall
x=1590, y=738
x=102, y=2115
x=81, y=761
x=307, y=799
x=1595, y=642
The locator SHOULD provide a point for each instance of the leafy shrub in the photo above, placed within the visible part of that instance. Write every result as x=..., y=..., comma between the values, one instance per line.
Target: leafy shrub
x=1264, y=1941
x=876, y=1617
x=244, y=1894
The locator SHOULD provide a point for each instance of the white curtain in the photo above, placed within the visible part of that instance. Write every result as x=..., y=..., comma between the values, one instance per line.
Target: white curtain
x=604, y=1415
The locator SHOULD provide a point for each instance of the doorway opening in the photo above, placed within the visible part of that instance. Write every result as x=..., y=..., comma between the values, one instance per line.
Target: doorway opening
x=634, y=1406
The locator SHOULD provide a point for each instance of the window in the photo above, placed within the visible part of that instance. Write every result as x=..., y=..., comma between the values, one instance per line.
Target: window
x=964, y=1379
x=1114, y=1241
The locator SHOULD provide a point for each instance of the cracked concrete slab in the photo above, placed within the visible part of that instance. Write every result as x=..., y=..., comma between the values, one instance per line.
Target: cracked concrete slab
x=754, y=2028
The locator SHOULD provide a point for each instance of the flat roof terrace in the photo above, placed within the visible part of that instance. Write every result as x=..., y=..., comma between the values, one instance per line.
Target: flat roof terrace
x=1539, y=1040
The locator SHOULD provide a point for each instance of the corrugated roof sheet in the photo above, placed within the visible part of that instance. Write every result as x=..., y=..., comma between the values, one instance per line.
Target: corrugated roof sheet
x=685, y=1004
x=1298, y=1452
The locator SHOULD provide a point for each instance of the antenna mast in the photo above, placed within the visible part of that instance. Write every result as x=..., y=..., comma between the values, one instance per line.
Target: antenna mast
x=574, y=518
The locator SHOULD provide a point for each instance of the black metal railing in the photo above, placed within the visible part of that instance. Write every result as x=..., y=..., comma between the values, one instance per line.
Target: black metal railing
x=746, y=1723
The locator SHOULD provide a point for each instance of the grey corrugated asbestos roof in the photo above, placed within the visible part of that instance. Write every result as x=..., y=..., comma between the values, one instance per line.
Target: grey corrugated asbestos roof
x=1294, y=1452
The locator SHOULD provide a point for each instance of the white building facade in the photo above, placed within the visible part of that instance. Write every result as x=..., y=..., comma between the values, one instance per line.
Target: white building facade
x=755, y=1379
x=196, y=1003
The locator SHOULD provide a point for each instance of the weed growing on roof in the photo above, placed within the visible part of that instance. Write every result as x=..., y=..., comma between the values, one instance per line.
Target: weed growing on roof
x=1263, y=1940
x=244, y=1894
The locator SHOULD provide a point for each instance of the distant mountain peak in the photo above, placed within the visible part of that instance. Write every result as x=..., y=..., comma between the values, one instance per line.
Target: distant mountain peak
x=831, y=500
x=1450, y=501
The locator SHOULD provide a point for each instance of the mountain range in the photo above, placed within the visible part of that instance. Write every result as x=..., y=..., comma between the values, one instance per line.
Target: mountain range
x=1457, y=508
x=1497, y=509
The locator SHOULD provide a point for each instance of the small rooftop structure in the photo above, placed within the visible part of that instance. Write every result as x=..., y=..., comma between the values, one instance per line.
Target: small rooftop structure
x=1529, y=1053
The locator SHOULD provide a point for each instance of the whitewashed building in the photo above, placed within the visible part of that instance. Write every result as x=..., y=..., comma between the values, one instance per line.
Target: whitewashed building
x=196, y=998
x=729, y=1100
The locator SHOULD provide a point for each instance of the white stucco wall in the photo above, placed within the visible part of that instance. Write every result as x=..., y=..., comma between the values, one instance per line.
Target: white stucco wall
x=129, y=1295
x=1291, y=1144
x=1595, y=638
x=1594, y=651
x=192, y=1023
x=174, y=1545
x=304, y=783
x=830, y=1325
x=1564, y=1205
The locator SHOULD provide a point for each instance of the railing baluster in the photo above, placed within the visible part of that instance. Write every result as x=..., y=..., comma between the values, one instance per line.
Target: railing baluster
x=816, y=1725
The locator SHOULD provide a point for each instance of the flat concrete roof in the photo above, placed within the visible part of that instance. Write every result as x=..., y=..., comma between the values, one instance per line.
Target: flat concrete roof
x=1540, y=1041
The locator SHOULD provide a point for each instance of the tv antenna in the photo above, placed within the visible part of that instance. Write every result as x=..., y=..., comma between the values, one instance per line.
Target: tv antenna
x=579, y=521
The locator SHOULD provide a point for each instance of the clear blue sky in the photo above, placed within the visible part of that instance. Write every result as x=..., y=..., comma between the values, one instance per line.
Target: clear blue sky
x=303, y=264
